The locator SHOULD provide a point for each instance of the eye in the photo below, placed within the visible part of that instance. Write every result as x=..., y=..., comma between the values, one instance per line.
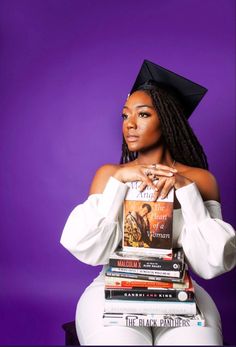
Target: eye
x=124, y=116
x=144, y=114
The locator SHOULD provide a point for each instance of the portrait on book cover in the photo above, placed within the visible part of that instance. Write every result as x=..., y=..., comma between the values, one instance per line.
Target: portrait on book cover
x=148, y=224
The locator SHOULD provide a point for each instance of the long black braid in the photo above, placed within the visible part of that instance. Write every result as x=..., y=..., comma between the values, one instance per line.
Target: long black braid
x=178, y=135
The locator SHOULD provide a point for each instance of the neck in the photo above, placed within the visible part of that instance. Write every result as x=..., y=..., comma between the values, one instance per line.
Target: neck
x=155, y=156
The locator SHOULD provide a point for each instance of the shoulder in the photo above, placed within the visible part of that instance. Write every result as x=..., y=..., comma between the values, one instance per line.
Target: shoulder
x=103, y=174
x=205, y=181
x=101, y=177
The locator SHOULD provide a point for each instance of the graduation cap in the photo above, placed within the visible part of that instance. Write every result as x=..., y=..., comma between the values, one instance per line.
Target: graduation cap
x=190, y=92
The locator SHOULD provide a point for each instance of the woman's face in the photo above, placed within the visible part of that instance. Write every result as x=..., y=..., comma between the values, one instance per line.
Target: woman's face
x=141, y=125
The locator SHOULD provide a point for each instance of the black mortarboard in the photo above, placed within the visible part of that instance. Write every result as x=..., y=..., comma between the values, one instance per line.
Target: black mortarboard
x=190, y=92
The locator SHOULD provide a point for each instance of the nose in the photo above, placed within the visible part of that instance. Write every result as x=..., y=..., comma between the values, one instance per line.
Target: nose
x=131, y=123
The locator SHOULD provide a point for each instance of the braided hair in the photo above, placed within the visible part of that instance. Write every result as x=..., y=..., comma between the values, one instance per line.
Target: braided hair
x=178, y=135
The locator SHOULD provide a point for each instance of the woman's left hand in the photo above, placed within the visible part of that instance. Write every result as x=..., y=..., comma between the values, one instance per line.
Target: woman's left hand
x=165, y=184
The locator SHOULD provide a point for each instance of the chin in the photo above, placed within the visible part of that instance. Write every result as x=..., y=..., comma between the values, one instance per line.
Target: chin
x=134, y=148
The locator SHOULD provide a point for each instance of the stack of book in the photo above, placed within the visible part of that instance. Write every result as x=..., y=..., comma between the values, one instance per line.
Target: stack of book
x=147, y=282
x=150, y=291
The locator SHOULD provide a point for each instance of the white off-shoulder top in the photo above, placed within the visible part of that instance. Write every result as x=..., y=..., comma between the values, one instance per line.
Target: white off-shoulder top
x=94, y=229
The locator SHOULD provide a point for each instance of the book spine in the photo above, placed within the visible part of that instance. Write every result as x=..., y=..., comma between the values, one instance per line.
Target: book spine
x=147, y=264
x=166, y=273
x=147, y=252
x=116, y=282
x=150, y=307
x=150, y=295
x=164, y=321
x=143, y=277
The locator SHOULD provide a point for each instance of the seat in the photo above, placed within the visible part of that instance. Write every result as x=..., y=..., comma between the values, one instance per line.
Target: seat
x=71, y=338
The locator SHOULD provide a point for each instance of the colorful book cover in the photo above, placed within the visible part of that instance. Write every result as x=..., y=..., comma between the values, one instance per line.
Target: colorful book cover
x=147, y=224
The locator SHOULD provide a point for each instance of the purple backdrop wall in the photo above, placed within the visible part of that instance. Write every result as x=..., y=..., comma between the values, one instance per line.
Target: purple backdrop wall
x=66, y=67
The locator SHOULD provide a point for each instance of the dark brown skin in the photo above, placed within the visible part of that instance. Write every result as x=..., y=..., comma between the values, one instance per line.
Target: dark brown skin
x=142, y=133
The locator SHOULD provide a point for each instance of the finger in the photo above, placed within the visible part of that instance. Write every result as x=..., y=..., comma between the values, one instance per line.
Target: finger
x=158, y=172
x=159, y=186
x=169, y=184
x=152, y=177
x=147, y=182
x=155, y=195
x=142, y=186
x=162, y=167
x=148, y=179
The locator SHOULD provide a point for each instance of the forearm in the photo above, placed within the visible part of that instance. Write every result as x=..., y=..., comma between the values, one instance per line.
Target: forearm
x=92, y=230
x=208, y=242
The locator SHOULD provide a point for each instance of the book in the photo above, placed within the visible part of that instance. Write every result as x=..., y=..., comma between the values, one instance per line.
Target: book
x=167, y=273
x=150, y=294
x=150, y=307
x=147, y=224
x=122, y=282
x=124, y=259
x=154, y=320
x=145, y=277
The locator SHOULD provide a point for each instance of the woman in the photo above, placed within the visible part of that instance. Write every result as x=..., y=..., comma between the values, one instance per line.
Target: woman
x=158, y=143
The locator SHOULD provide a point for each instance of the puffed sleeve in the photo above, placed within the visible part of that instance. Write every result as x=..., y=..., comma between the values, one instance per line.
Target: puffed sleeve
x=209, y=243
x=92, y=230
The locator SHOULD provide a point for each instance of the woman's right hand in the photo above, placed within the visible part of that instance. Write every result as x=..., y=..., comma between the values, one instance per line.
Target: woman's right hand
x=144, y=173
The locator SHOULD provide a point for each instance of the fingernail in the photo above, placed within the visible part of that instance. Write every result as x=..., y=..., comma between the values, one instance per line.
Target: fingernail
x=170, y=174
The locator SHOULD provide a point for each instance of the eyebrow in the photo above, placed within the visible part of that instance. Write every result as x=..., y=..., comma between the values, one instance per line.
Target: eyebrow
x=140, y=106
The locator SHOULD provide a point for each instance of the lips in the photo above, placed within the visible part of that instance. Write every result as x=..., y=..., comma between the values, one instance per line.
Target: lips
x=132, y=138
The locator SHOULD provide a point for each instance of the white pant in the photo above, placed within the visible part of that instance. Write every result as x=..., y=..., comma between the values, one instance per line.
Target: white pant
x=90, y=329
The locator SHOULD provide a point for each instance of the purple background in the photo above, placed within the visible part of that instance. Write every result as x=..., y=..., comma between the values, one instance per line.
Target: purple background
x=66, y=67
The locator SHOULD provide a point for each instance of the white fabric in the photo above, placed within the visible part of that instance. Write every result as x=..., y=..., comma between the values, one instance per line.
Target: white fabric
x=204, y=233
x=93, y=231
x=90, y=329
